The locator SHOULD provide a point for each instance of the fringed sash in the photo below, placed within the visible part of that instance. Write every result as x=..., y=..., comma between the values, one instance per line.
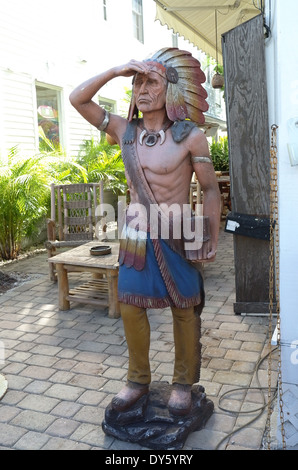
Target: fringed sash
x=133, y=240
x=132, y=250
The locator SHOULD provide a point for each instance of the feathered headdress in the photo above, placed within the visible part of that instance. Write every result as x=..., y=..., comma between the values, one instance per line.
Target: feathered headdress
x=186, y=97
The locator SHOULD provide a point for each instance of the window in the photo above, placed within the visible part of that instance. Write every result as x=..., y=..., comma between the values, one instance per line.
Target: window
x=108, y=105
x=48, y=117
x=137, y=18
x=209, y=73
x=105, y=13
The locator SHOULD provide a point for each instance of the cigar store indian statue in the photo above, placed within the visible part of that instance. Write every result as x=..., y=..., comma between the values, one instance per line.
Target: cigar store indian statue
x=158, y=265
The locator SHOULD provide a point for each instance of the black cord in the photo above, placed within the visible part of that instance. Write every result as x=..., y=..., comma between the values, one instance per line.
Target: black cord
x=260, y=409
x=258, y=8
x=267, y=28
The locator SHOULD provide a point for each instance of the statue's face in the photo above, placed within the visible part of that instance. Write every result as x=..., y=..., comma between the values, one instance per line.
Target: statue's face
x=150, y=91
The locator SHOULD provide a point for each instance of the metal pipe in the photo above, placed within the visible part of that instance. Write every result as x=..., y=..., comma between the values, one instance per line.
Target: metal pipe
x=202, y=7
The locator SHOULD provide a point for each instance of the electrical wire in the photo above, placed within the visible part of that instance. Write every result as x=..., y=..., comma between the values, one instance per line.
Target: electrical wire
x=260, y=409
x=269, y=18
x=259, y=8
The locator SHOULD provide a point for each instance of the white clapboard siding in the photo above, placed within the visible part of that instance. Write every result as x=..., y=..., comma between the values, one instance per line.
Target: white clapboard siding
x=79, y=130
x=58, y=45
x=18, y=114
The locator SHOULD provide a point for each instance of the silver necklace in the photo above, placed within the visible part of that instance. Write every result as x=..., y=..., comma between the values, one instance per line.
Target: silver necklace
x=151, y=137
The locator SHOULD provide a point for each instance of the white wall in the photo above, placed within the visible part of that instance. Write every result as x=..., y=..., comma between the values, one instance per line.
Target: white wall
x=39, y=42
x=18, y=119
x=60, y=44
x=282, y=77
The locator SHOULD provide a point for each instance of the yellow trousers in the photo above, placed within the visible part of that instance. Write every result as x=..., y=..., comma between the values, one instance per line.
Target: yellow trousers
x=186, y=330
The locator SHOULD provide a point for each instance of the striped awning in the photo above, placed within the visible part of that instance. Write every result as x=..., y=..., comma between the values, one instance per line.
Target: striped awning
x=196, y=20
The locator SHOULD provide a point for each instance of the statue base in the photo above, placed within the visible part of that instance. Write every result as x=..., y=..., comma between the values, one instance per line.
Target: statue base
x=150, y=424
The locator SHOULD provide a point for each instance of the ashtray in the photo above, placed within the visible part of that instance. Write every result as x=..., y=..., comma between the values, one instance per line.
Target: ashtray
x=100, y=250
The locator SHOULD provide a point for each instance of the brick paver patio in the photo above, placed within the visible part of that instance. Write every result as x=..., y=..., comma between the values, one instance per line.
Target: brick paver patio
x=63, y=368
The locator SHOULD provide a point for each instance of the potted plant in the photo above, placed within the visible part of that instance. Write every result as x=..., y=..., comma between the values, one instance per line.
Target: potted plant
x=218, y=81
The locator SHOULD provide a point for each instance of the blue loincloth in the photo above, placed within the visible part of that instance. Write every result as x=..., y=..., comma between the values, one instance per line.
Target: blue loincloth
x=166, y=280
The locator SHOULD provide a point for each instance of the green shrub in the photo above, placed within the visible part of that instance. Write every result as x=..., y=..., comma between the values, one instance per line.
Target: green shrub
x=103, y=162
x=219, y=152
x=24, y=193
x=25, y=186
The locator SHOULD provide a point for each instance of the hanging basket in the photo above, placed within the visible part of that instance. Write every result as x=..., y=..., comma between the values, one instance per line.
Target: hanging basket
x=217, y=81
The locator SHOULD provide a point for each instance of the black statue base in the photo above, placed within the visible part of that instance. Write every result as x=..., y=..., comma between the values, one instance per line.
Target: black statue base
x=150, y=424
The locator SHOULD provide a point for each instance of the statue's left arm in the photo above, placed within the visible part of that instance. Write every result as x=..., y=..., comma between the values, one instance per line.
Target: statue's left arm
x=203, y=167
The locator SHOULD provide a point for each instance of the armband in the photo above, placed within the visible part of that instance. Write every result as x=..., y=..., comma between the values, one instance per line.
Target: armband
x=201, y=160
x=105, y=121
